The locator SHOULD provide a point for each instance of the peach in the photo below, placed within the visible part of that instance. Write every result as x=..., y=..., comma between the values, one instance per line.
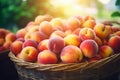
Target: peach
x=35, y=28
x=106, y=51
x=3, y=32
x=41, y=18
x=88, y=18
x=89, y=24
x=57, y=24
x=10, y=37
x=55, y=44
x=16, y=47
x=76, y=31
x=72, y=24
x=47, y=57
x=98, y=41
x=87, y=33
x=102, y=31
x=46, y=28
x=29, y=42
x=7, y=44
x=114, y=43
x=96, y=58
x=58, y=33
x=89, y=48
x=38, y=36
x=43, y=45
x=21, y=33
x=117, y=33
x=71, y=54
x=72, y=39
x=2, y=40
x=29, y=54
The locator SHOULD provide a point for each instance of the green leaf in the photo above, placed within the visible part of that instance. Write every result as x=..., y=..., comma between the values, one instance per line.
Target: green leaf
x=115, y=14
x=117, y=3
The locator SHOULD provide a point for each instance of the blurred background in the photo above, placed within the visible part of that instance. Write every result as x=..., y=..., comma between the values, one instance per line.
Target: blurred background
x=15, y=14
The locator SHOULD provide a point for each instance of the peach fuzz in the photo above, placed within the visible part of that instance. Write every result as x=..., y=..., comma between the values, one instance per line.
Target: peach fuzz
x=89, y=48
x=43, y=45
x=87, y=33
x=16, y=47
x=47, y=57
x=114, y=43
x=41, y=18
x=106, y=51
x=10, y=37
x=29, y=42
x=21, y=33
x=101, y=30
x=89, y=24
x=57, y=33
x=56, y=44
x=46, y=28
x=72, y=24
x=29, y=54
x=72, y=39
x=71, y=54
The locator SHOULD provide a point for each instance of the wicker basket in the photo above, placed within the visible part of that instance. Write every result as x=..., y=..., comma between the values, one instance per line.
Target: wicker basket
x=72, y=71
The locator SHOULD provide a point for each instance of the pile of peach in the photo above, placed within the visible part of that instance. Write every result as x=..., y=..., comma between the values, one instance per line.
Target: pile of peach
x=49, y=40
x=6, y=38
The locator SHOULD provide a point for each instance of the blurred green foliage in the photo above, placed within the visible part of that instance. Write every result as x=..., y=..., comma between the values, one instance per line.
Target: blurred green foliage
x=15, y=14
x=116, y=13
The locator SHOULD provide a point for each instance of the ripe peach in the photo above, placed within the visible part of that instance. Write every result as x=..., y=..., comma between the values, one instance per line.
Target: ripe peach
x=46, y=28
x=16, y=47
x=114, y=42
x=58, y=33
x=57, y=24
x=88, y=18
x=21, y=33
x=87, y=33
x=10, y=37
x=89, y=24
x=41, y=18
x=35, y=28
x=71, y=54
x=29, y=54
x=72, y=39
x=101, y=30
x=3, y=32
x=2, y=41
x=47, y=57
x=89, y=48
x=96, y=58
x=7, y=44
x=106, y=51
x=55, y=44
x=29, y=42
x=38, y=36
x=98, y=41
x=76, y=31
x=72, y=24
x=43, y=45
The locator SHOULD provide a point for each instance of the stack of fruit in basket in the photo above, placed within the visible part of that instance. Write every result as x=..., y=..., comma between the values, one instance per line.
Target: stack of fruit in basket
x=6, y=38
x=49, y=40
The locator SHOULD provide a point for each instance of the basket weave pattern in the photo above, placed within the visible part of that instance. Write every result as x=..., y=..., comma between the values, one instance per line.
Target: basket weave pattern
x=72, y=71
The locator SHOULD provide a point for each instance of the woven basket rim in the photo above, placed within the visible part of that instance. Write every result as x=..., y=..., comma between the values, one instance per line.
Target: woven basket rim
x=62, y=66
